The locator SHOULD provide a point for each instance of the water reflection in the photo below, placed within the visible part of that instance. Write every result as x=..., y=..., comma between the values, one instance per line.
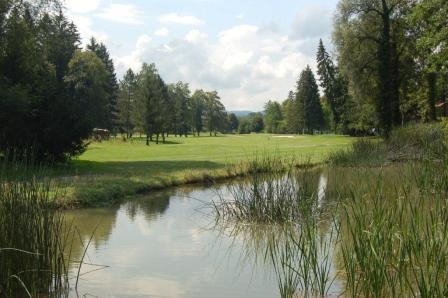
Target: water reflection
x=159, y=247
x=298, y=253
x=164, y=245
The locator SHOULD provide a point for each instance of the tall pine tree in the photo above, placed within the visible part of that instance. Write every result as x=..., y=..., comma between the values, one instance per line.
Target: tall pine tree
x=334, y=87
x=126, y=102
x=309, y=109
x=110, y=121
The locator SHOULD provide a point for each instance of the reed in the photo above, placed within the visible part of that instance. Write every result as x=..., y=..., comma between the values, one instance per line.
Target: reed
x=387, y=233
x=303, y=263
x=269, y=198
x=33, y=235
x=394, y=239
x=300, y=239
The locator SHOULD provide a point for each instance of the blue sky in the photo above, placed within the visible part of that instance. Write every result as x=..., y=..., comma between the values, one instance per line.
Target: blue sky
x=249, y=51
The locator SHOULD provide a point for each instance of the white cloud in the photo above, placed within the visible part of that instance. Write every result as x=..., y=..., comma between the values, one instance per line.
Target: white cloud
x=246, y=64
x=122, y=13
x=312, y=22
x=195, y=36
x=176, y=18
x=84, y=25
x=162, y=32
x=143, y=42
x=82, y=6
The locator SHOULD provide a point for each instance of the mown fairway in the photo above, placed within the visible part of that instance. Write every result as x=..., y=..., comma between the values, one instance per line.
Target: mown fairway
x=116, y=167
x=134, y=157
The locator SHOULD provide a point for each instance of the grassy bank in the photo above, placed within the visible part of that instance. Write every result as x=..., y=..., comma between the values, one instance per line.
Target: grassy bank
x=109, y=171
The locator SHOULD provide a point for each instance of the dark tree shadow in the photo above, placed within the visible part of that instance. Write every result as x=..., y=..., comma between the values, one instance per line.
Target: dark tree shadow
x=139, y=167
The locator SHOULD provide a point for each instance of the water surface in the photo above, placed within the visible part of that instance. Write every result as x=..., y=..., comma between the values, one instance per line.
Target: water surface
x=166, y=245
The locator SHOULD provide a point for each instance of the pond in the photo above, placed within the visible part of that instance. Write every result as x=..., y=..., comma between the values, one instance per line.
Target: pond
x=169, y=244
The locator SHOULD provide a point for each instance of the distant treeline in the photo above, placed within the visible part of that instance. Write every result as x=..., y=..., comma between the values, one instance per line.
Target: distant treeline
x=147, y=105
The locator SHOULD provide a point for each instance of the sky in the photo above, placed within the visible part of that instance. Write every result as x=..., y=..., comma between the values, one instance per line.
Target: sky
x=250, y=51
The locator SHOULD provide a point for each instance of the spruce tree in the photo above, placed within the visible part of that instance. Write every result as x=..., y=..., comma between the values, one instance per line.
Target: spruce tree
x=290, y=112
x=126, y=102
x=309, y=110
x=334, y=87
x=110, y=121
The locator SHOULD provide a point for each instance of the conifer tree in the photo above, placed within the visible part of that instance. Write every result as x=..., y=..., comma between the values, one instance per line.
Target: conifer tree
x=110, y=121
x=309, y=109
x=126, y=102
x=334, y=87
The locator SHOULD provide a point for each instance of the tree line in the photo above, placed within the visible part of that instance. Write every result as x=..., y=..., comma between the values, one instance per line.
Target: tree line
x=147, y=104
x=390, y=68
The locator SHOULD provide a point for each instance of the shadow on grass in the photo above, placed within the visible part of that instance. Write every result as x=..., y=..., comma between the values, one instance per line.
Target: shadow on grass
x=136, y=168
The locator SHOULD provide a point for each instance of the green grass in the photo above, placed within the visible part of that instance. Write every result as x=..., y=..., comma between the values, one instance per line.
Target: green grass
x=111, y=170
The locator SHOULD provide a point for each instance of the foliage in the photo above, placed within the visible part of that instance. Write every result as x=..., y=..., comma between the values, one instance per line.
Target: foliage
x=214, y=113
x=197, y=110
x=309, y=110
x=110, y=120
x=335, y=89
x=233, y=123
x=273, y=117
x=254, y=122
x=429, y=18
x=180, y=95
x=152, y=102
x=377, y=46
x=126, y=103
x=40, y=82
x=85, y=80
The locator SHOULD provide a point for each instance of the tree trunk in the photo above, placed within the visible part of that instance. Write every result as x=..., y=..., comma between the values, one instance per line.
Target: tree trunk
x=384, y=103
x=395, y=86
x=444, y=98
x=432, y=80
x=147, y=140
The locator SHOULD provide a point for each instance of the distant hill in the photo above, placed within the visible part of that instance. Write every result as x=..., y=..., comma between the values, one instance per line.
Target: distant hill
x=241, y=113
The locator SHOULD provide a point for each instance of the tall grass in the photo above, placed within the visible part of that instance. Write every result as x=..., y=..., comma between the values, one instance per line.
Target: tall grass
x=270, y=198
x=409, y=143
x=363, y=152
x=300, y=249
x=33, y=236
x=389, y=231
x=304, y=262
x=394, y=234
